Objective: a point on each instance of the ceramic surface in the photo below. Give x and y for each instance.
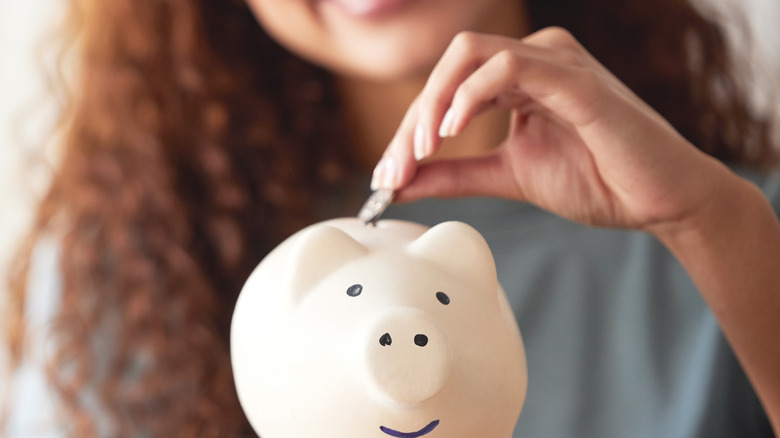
(393, 330)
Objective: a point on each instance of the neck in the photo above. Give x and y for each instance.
(374, 109)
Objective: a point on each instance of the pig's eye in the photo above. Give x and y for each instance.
(356, 289)
(443, 298)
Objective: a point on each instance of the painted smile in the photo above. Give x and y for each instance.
(425, 430)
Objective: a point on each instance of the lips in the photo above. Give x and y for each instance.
(367, 8)
(425, 430)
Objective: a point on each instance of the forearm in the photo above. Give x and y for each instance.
(732, 252)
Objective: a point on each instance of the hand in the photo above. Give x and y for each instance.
(581, 144)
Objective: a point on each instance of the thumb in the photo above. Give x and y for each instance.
(486, 175)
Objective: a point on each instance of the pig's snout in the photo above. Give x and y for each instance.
(408, 359)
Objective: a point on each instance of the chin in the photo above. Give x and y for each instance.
(384, 70)
(406, 57)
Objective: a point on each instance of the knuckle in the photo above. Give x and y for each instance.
(568, 50)
(507, 60)
(465, 95)
(559, 36)
(430, 102)
(466, 41)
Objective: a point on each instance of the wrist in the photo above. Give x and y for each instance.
(727, 203)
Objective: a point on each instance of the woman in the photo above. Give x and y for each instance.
(199, 140)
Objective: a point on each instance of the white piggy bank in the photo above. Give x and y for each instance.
(395, 330)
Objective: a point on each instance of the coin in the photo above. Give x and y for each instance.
(376, 204)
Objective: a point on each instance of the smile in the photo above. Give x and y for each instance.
(427, 429)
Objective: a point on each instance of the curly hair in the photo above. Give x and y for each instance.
(196, 143)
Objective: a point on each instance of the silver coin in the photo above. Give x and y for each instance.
(375, 205)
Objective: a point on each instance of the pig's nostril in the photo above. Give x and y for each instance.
(421, 340)
(385, 340)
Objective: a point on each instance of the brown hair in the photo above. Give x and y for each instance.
(194, 146)
(678, 61)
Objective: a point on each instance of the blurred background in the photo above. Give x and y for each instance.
(28, 112)
(30, 100)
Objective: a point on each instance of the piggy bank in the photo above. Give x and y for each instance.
(348, 330)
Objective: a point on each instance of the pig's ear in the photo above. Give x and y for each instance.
(316, 253)
(460, 251)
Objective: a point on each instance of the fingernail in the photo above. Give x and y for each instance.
(419, 140)
(385, 175)
(378, 170)
(445, 129)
